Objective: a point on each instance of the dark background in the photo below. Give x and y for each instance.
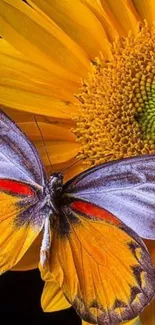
(20, 292)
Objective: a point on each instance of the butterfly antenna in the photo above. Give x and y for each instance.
(71, 165)
(78, 160)
(45, 148)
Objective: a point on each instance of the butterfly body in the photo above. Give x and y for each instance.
(91, 227)
(50, 204)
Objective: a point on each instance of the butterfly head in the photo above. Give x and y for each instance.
(55, 184)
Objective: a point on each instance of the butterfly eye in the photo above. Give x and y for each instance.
(60, 179)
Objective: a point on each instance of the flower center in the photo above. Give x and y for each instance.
(117, 102)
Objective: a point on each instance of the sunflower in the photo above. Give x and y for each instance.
(71, 64)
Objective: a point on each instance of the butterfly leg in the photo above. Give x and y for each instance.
(46, 242)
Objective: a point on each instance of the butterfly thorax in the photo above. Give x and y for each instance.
(55, 183)
(53, 191)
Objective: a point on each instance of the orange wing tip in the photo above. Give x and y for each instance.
(140, 297)
(96, 314)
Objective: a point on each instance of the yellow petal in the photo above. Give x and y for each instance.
(47, 45)
(26, 86)
(30, 260)
(58, 151)
(61, 167)
(145, 9)
(17, 71)
(49, 131)
(34, 102)
(52, 297)
(18, 116)
(48, 128)
(74, 168)
(78, 22)
(22, 117)
(106, 18)
(122, 14)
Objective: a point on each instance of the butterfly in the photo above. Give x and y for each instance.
(101, 265)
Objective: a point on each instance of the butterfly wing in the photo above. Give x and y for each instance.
(126, 188)
(19, 159)
(101, 265)
(21, 192)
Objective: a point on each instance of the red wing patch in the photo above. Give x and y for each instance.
(15, 187)
(90, 210)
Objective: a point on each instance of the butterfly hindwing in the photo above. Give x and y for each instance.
(20, 221)
(126, 188)
(101, 265)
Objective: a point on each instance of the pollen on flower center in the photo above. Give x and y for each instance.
(117, 103)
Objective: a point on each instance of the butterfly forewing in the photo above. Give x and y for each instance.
(126, 188)
(19, 159)
(22, 179)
